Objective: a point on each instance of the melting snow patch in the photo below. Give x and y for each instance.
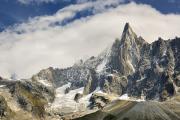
(110, 75)
(45, 82)
(105, 55)
(101, 66)
(164, 52)
(1, 86)
(141, 79)
(126, 97)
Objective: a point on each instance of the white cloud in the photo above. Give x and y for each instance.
(77, 1)
(42, 44)
(36, 1)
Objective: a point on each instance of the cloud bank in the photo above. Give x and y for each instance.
(42, 41)
(51, 1)
(35, 1)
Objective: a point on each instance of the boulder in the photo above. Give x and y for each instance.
(99, 100)
(78, 96)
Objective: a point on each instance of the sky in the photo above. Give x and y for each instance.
(18, 11)
(37, 34)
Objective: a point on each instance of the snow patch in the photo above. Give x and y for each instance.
(45, 83)
(104, 56)
(101, 66)
(126, 97)
(141, 79)
(101, 92)
(110, 75)
(164, 52)
(1, 86)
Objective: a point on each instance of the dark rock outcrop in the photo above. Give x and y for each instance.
(114, 84)
(5, 111)
(99, 100)
(31, 97)
(78, 96)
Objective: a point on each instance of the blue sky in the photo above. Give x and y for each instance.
(37, 34)
(18, 11)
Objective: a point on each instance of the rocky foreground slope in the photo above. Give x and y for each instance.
(126, 110)
(131, 67)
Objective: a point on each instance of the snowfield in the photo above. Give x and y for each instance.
(66, 101)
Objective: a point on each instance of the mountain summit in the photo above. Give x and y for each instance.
(127, 30)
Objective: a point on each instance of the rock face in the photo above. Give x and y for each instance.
(155, 71)
(77, 97)
(125, 53)
(114, 84)
(5, 111)
(32, 97)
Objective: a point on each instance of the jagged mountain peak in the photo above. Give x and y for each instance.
(130, 37)
(127, 28)
(128, 32)
(125, 53)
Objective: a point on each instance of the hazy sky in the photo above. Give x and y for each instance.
(76, 30)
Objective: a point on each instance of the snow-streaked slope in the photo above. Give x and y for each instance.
(101, 66)
(105, 58)
(65, 102)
